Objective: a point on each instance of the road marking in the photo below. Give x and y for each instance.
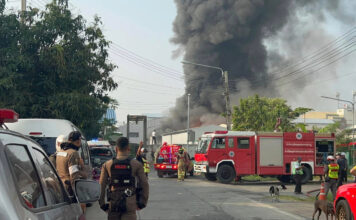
(261, 205)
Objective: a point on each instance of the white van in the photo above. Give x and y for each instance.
(46, 131)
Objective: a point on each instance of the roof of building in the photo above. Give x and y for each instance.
(313, 121)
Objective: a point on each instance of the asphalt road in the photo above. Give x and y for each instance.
(199, 199)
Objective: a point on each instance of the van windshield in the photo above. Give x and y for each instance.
(48, 144)
(203, 145)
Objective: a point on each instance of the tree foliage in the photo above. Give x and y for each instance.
(261, 114)
(342, 136)
(54, 65)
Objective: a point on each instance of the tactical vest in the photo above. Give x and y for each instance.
(146, 165)
(124, 185)
(333, 171)
(121, 174)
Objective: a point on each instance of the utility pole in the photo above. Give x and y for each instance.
(188, 121)
(227, 101)
(23, 5)
(225, 76)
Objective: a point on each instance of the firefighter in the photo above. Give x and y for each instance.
(298, 174)
(182, 161)
(127, 184)
(331, 172)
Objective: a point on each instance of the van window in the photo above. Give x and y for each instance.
(48, 144)
(218, 143)
(25, 176)
(244, 143)
(54, 190)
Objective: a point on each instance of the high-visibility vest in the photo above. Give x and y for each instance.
(294, 170)
(333, 170)
(146, 166)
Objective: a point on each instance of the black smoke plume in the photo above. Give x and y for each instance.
(228, 34)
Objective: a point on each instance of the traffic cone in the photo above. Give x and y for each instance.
(322, 195)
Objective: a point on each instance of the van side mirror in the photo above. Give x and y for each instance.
(87, 191)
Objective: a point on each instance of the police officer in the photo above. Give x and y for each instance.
(60, 140)
(298, 174)
(331, 172)
(68, 162)
(127, 184)
(342, 162)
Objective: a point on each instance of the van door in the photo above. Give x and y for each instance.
(217, 152)
(243, 155)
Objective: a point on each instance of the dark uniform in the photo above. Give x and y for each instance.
(134, 195)
(342, 162)
(68, 166)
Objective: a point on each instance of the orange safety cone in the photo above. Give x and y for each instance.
(322, 195)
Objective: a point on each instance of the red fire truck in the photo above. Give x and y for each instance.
(166, 162)
(228, 155)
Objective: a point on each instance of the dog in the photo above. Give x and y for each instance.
(274, 192)
(326, 207)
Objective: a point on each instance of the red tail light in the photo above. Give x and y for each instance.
(163, 166)
(201, 157)
(175, 167)
(35, 133)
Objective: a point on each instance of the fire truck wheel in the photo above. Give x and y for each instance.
(226, 174)
(159, 174)
(210, 176)
(307, 173)
(284, 178)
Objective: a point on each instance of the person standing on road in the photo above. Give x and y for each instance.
(298, 174)
(154, 140)
(141, 157)
(60, 140)
(342, 162)
(182, 161)
(127, 184)
(69, 165)
(331, 172)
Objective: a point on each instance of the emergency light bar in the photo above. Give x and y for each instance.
(8, 116)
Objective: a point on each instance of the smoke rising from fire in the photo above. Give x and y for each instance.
(231, 34)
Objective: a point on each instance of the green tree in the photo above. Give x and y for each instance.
(342, 136)
(54, 65)
(261, 114)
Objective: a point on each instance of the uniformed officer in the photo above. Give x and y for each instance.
(127, 184)
(60, 140)
(331, 172)
(141, 157)
(182, 161)
(68, 162)
(298, 174)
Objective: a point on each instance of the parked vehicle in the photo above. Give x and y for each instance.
(98, 156)
(228, 155)
(166, 162)
(30, 187)
(345, 203)
(46, 131)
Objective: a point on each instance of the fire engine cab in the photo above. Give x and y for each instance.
(228, 155)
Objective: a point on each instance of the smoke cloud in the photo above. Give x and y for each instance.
(232, 34)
